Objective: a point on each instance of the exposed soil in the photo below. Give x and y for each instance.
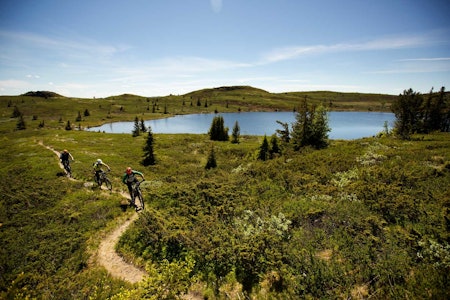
(106, 254)
(113, 263)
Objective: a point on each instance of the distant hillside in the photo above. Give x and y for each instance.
(124, 96)
(42, 94)
(257, 99)
(237, 89)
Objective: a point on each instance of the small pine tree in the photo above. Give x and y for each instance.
(284, 134)
(137, 130)
(149, 157)
(217, 131)
(211, 163)
(16, 112)
(274, 147)
(21, 123)
(78, 119)
(263, 153)
(310, 127)
(142, 125)
(301, 129)
(68, 126)
(236, 133)
(86, 113)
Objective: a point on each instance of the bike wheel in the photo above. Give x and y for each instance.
(141, 199)
(108, 184)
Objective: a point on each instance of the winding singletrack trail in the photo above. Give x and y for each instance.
(113, 263)
(106, 255)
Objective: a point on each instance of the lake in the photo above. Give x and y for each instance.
(344, 125)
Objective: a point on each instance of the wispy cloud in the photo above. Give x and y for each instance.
(12, 84)
(287, 53)
(59, 44)
(417, 65)
(426, 59)
(194, 64)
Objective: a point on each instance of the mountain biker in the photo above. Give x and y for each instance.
(129, 178)
(98, 168)
(64, 157)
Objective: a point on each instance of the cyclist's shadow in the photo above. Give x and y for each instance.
(125, 204)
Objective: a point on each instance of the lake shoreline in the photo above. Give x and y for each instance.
(344, 125)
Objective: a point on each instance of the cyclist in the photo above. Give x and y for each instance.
(98, 168)
(64, 157)
(129, 178)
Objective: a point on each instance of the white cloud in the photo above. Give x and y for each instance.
(12, 84)
(33, 76)
(426, 59)
(287, 53)
(68, 47)
(417, 65)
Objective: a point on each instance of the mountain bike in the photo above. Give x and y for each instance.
(103, 178)
(138, 194)
(67, 167)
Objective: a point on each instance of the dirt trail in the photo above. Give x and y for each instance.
(116, 266)
(106, 254)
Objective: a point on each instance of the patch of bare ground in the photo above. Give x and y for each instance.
(112, 262)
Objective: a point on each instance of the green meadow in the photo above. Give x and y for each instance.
(366, 218)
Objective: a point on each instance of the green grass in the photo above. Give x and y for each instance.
(55, 112)
(366, 218)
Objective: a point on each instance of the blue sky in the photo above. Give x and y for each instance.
(100, 48)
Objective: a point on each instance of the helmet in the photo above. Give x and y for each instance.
(128, 171)
(99, 161)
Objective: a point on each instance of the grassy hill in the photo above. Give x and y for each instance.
(55, 110)
(367, 218)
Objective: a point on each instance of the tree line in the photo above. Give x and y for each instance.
(416, 113)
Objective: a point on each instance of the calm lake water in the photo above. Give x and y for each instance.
(344, 125)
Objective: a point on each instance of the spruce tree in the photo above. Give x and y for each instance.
(236, 133)
(274, 147)
(149, 157)
(263, 153)
(16, 112)
(320, 128)
(143, 128)
(310, 127)
(217, 131)
(137, 130)
(284, 134)
(301, 129)
(21, 123)
(68, 126)
(211, 163)
(78, 119)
